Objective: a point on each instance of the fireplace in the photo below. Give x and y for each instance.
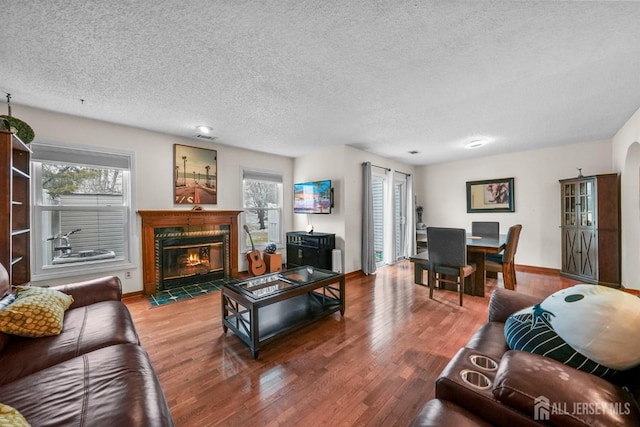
(181, 247)
(190, 257)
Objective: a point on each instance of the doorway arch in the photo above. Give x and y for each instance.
(630, 238)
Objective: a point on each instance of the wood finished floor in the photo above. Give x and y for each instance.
(374, 366)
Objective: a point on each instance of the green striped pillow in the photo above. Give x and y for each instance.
(530, 330)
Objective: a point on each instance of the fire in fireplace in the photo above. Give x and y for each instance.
(191, 257)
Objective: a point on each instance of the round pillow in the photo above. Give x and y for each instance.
(588, 327)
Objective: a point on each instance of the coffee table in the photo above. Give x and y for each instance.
(261, 309)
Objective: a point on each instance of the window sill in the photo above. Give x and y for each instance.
(59, 272)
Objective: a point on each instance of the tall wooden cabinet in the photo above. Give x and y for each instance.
(590, 227)
(15, 221)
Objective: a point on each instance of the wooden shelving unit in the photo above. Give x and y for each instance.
(15, 222)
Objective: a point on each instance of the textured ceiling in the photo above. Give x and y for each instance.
(290, 77)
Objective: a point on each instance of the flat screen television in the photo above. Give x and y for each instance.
(313, 197)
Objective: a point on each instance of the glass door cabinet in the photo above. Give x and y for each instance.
(590, 227)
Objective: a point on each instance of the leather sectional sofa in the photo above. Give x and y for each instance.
(94, 373)
(521, 388)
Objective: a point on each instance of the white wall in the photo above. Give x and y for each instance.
(626, 158)
(342, 164)
(441, 190)
(154, 169)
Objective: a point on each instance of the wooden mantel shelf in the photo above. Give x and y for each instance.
(152, 219)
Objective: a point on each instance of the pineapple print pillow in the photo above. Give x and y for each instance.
(36, 312)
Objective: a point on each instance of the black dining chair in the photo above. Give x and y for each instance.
(447, 251)
(485, 228)
(504, 262)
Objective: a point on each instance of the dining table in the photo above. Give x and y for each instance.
(477, 249)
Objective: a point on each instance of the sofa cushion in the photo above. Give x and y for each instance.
(36, 312)
(112, 386)
(4, 339)
(85, 329)
(438, 412)
(10, 417)
(5, 284)
(556, 394)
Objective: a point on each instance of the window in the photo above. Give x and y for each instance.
(378, 184)
(262, 203)
(82, 210)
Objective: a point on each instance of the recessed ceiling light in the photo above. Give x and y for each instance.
(475, 144)
(204, 129)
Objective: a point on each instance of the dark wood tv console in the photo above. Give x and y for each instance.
(310, 249)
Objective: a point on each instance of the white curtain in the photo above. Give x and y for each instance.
(368, 252)
(390, 255)
(410, 224)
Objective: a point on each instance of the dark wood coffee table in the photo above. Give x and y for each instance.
(264, 308)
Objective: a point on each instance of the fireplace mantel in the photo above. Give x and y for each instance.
(152, 219)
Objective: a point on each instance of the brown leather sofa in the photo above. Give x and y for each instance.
(94, 373)
(522, 388)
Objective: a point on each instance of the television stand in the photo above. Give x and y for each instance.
(310, 249)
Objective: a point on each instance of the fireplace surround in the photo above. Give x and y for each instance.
(180, 246)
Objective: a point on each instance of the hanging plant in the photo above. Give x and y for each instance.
(21, 129)
(4, 124)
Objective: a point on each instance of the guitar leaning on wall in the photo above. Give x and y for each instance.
(257, 266)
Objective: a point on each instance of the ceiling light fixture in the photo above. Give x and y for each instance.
(204, 129)
(475, 144)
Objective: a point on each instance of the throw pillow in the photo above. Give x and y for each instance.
(7, 300)
(36, 312)
(588, 327)
(10, 417)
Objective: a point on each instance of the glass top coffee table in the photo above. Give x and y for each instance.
(263, 308)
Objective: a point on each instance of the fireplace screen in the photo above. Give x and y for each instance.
(183, 260)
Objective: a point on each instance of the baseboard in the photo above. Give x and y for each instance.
(354, 274)
(132, 294)
(537, 270)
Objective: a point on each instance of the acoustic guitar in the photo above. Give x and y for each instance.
(257, 266)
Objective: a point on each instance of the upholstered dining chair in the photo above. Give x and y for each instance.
(505, 262)
(485, 228)
(448, 258)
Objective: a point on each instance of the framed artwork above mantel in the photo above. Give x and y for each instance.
(195, 175)
(490, 195)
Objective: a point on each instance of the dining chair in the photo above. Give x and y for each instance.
(485, 228)
(447, 251)
(505, 262)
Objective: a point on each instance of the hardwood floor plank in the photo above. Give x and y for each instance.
(377, 365)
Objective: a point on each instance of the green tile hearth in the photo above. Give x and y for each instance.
(184, 292)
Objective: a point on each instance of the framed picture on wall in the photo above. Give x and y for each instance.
(491, 195)
(195, 175)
